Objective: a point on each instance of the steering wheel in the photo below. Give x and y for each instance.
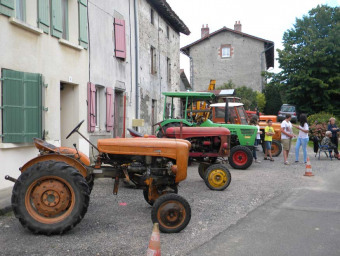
(75, 129)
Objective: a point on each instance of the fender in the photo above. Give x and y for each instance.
(56, 157)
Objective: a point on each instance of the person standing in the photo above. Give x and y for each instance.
(254, 121)
(334, 130)
(302, 138)
(268, 138)
(286, 137)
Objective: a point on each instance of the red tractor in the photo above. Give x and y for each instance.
(207, 144)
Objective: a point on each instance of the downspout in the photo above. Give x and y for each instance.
(136, 59)
(191, 73)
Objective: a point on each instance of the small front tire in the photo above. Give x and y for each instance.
(240, 157)
(217, 177)
(172, 212)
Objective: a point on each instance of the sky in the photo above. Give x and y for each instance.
(267, 19)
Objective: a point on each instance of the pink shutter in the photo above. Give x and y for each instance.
(120, 50)
(91, 107)
(109, 109)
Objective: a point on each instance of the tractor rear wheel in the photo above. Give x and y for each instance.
(240, 157)
(172, 212)
(50, 198)
(217, 177)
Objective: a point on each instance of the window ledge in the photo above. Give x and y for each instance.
(15, 145)
(71, 45)
(25, 26)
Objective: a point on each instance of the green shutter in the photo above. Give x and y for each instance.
(7, 7)
(44, 15)
(83, 39)
(22, 109)
(57, 23)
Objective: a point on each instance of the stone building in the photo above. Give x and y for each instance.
(158, 66)
(229, 54)
(44, 73)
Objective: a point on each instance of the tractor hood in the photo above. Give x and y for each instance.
(190, 132)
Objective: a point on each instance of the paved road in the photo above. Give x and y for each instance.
(246, 211)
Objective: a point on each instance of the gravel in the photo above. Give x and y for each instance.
(121, 225)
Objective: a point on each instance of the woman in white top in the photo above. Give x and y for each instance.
(302, 139)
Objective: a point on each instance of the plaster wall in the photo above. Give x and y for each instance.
(22, 50)
(152, 85)
(243, 67)
(106, 70)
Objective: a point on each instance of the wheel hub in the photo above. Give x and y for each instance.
(217, 178)
(240, 157)
(171, 214)
(50, 197)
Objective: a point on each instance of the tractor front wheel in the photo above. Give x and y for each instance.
(151, 201)
(217, 177)
(172, 212)
(202, 167)
(50, 198)
(240, 157)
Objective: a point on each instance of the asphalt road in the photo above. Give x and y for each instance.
(221, 221)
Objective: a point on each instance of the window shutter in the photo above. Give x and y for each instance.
(120, 46)
(83, 39)
(22, 109)
(7, 7)
(109, 109)
(57, 24)
(91, 106)
(44, 15)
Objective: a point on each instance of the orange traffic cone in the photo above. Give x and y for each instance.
(154, 248)
(308, 168)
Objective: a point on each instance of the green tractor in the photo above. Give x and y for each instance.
(194, 111)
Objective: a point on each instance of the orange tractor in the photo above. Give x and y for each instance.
(52, 193)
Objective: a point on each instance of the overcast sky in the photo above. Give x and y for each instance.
(267, 19)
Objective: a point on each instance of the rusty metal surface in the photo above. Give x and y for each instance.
(49, 199)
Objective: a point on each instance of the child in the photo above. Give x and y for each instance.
(254, 121)
(268, 137)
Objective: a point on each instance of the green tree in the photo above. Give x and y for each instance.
(273, 98)
(247, 95)
(310, 61)
(261, 101)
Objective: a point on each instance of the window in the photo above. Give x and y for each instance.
(152, 17)
(20, 13)
(153, 60)
(168, 70)
(21, 106)
(226, 52)
(167, 32)
(120, 45)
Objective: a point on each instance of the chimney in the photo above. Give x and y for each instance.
(204, 31)
(238, 26)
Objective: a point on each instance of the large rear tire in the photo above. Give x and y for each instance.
(172, 212)
(217, 177)
(50, 198)
(240, 157)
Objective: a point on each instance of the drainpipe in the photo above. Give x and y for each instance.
(136, 58)
(191, 73)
